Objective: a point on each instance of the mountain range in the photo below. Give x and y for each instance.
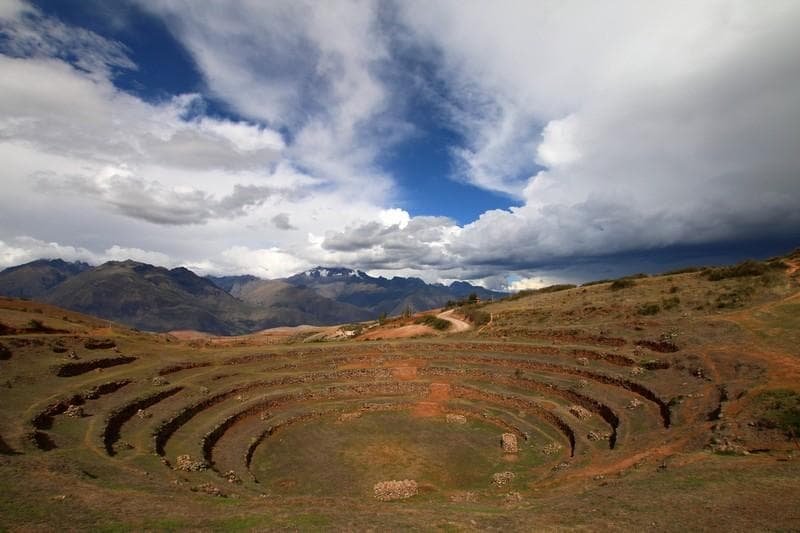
(155, 298)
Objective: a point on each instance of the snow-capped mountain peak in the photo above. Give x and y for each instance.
(333, 272)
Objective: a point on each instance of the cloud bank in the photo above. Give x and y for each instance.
(619, 128)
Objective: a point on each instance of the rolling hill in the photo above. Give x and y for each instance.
(35, 279)
(159, 299)
(656, 403)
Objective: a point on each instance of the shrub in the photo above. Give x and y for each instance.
(475, 315)
(36, 325)
(777, 264)
(648, 309)
(622, 283)
(743, 269)
(673, 289)
(433, 321)
(619, 283)
(670, 303)
(781, 410)
(734, 297)
(472, 299)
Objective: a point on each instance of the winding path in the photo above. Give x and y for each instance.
(457, 325)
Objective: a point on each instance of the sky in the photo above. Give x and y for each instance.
(511, 144)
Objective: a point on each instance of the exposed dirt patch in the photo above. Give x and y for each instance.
(189, 334)
(439, 392)
(401, 332)
(405, 373)
(428, 409)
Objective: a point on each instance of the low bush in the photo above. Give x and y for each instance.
(743, 269)
(475, 315)
(472, 299)
(619, 283)
(433, 321)
(781, 410)
(670, 303)
(36, 325)
(777, 264)
(734, 297)
(622, 283)
(648, 309)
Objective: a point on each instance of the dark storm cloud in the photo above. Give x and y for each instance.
(152, 202)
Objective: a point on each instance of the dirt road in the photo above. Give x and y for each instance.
(458, 325)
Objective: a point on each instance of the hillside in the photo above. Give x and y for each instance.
(159, 299)
(666, 403)
(36, 279)
(382, 295)
(153, 299)
(228, 283)
(295, 305)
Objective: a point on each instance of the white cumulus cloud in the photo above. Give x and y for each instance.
(618, 127)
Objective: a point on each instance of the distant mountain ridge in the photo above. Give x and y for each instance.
(35, 279)
(159, 299)
(227, 283)
(382, 295)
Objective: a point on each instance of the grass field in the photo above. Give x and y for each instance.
(664, 403)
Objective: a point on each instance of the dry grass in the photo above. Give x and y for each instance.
(317, 424)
